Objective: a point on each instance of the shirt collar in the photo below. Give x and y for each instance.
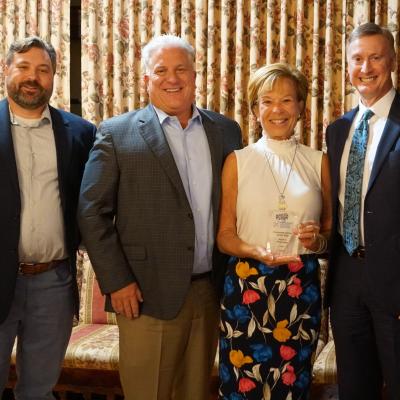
(381, 108)
(164, 117)
(31, 123)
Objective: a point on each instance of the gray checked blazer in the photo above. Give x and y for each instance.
(135, 218)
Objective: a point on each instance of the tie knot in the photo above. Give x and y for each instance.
(367, 115)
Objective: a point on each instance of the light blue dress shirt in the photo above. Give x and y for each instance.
(191, 152)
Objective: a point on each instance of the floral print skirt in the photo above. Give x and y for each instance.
(270, 319)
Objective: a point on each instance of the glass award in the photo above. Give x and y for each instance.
(281, 232)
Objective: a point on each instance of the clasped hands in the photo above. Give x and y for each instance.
(126, 301)
(308, 234)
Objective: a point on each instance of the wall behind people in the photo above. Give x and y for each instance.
(232, 38)
(51, 21)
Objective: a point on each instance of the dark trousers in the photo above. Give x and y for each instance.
(366, 334)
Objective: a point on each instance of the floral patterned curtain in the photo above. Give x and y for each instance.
(49, 19)
(231, 38)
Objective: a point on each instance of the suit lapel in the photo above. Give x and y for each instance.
(153, 134)
(341, 134)
(6, 145)
(63, 141)
(390, 134)
(215, 144)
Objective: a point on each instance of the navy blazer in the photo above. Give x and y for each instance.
(74, 138)
(381, 207)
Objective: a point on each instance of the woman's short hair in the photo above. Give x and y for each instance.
(24, 45)
(159, 42)
(264, 78)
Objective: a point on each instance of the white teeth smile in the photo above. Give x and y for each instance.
(172, 90)
(369, 79)
(278, 121)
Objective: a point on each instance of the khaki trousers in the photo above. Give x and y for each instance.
(171, 359)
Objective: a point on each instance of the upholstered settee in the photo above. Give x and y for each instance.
(91, 361)
(324, 370)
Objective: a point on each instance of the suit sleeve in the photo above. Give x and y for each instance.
(328, 140)
(238, 137)
(96, 212)
(234, 139)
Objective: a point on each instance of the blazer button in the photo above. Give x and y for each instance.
(190, 215)
(190, 248)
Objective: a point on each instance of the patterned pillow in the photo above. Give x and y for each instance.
(91, 309)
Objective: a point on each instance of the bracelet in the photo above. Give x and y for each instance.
(323, 244)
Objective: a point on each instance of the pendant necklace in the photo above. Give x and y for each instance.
(281, 198)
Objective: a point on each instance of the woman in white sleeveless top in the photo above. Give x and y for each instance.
(275, 217)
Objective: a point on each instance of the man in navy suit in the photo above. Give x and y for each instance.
(364, 279)
(42, 156)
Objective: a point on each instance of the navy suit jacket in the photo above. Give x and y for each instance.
(74, 138)
(381, 207)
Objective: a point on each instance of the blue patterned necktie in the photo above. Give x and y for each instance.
(354, 178)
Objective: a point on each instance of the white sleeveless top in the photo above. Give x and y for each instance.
(258, 194)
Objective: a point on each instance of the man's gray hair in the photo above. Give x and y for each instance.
(371, 29)
(24, 45)
(159, 42)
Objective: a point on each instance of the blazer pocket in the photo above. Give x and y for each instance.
(135, 252)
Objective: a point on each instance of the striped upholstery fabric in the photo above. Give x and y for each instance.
(93, 346)
(91, 310)
(94, 341)
(324, 370)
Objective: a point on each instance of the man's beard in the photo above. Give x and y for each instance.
(30, 102)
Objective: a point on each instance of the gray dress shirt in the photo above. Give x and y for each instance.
(42, 236)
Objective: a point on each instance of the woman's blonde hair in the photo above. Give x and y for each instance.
(264, 78)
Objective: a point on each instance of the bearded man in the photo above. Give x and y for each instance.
(43, 152)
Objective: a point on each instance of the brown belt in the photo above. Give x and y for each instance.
(37, 268)
(359, 252)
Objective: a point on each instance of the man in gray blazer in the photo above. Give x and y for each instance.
(148, 213)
